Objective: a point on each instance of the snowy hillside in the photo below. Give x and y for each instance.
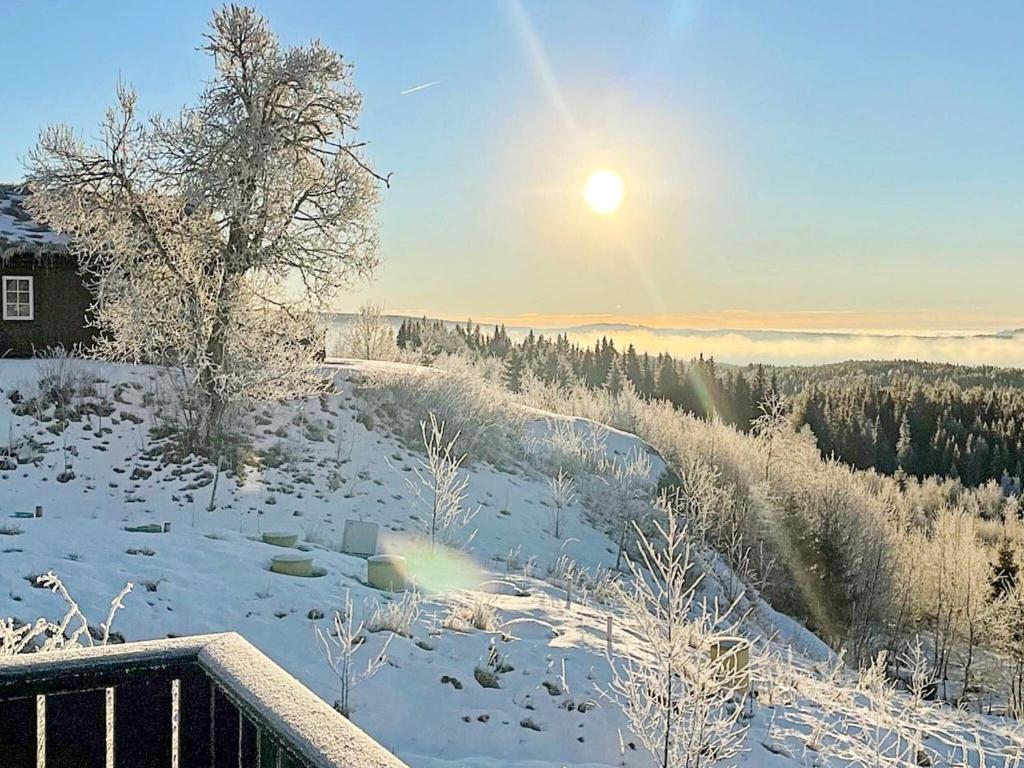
(312, 466)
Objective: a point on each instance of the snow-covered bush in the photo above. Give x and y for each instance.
(572, 449)
(615, 409)
(866, 722)
(565, 571)
(624, 498)
(490, 425)
(601, 586)
(471, 611)
(677, 695)
(71, 631)
(398, 616)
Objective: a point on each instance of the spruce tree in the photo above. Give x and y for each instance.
(512, 371)
(615, 379)
(905, 448)
(1004, 574)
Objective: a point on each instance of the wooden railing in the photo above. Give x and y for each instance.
(210, 701)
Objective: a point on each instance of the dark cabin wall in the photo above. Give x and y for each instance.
(61, 302)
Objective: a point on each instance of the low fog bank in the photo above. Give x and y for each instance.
(811, 348)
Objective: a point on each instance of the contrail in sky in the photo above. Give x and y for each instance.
(419, 87)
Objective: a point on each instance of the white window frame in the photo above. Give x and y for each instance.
(31, 297)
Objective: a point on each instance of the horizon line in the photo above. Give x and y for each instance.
(808, 321)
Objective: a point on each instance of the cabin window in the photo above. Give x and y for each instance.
(17, 298)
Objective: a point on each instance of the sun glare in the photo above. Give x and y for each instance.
(604, 191)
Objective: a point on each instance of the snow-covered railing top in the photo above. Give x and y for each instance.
(194, 701)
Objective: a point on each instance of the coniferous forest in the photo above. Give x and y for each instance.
(918, 418)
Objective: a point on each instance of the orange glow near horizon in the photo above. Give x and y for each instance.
(922, 320)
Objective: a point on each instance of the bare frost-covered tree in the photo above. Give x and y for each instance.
(440, 475)
(628, 490)
(209, 235)
(677, 697)
(563, 493)
(369, 337)
(770, 427)
(338, 647)
(1008, 628)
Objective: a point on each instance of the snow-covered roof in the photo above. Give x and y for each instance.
(20, 234)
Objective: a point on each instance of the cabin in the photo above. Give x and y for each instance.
(43, 298)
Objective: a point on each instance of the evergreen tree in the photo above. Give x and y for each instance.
(615, 379)
(512, 371)
(905, 448)
(631, 363)
(667, 385)
(1004, 574)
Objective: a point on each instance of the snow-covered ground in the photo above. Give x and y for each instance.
(315, 465)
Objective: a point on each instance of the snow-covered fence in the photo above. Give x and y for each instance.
(195, 701)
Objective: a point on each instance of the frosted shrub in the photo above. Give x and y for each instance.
(920, 679)
(567, 574)
(572, 449)
(398, 616)
(629, 489)
(474, 611)
(479, 409)
(604, 586)
(565, 571)
(59, 375)
(72, 631)
(866, 722)
(677, 698)
(619, 410)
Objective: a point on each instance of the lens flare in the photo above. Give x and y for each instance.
(442, 569)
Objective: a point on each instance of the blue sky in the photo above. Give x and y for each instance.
(803, 163)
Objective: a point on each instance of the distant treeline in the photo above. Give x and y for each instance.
(699, 386)
(919, 418)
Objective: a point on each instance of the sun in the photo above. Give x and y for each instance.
(603, 191)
